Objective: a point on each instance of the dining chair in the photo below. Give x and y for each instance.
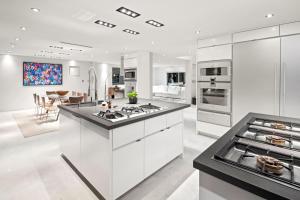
(47, 107)
(79, 94)
(35, 103)
(75, 100)
(73, 93)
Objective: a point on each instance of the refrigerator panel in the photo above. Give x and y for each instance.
(290, 81)
(256, 78)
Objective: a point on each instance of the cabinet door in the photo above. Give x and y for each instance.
(256, 67)
(128, 167)
(290, 95)
(155, 152)
(96, 156)
(70, 137)
(214, 53)
(174, 142)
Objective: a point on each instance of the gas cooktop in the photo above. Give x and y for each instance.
(127, 112)
(260, 153)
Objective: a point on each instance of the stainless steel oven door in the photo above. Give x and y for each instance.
(214, 96)
(214, 71)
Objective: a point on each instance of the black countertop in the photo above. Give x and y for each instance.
(260, 185)
(86, 111)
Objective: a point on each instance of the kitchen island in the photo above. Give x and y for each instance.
(259, 158)
(114, 151)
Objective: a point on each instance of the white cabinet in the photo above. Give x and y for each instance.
(222, 52)
(256, 78)
(174, 118)
(290, 79)
(128, 167)
(96, 156)
(127, 134)
(162, 147)
(219, 40)
(155, 124)
(290, 29)
(70, 137)
(256, 34)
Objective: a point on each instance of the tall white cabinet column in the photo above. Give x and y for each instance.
(256, 78)
(290, 79)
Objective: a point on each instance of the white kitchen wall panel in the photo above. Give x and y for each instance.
(290, 81)
(256, 34)
(219, 40)
(256, 78)
(290, 29)
(221, 52)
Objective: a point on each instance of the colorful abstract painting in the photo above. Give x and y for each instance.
(42, 74)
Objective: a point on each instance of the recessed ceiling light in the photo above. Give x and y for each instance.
(109, 25)
(35, 10)
(12, 45)
(76, 50)
(23, 28)
(152, 42)
(154, 23)
(270, 15)
(198, 32)
(56, 47)
(9, 51)
(131, 32)
(128, 12)
(17, 39)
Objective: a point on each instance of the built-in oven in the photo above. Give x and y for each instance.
(214, 102)
(214, 96)
(214, 71)
(129, 74)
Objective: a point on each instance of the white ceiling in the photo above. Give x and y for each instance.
(60, 21)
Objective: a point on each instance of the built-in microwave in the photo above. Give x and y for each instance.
(129, 74)
(215, 71)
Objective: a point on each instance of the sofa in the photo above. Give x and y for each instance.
(169, 92)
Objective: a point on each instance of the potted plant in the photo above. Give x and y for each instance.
(132, 97)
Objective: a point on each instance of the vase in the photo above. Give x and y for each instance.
(132, 100)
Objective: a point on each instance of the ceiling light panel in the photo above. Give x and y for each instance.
(154, 23)
(128, 12)
(270, 15)
(131, 32)
(103, 23)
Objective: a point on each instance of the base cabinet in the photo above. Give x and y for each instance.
(162, 147)
(128, 167)
(70, 139)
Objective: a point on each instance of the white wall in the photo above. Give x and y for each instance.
(160, 73)
(15, 96)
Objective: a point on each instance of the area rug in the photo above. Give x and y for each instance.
(30, 125)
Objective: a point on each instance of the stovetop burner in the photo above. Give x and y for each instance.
(269, 164)
(285, 168)
(127, 112)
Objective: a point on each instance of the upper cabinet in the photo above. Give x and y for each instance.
(130, 63)
(222, 52)
(257, 34)
(220, 40)
(290, 29)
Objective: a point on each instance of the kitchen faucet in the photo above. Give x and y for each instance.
(92, 69)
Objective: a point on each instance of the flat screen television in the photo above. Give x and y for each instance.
(42, 74)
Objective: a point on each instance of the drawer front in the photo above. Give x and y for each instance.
(127, 134)
(174, 118)
(214, 118)
(155, 124)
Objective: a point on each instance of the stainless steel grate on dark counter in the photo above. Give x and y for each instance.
(260, 153)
